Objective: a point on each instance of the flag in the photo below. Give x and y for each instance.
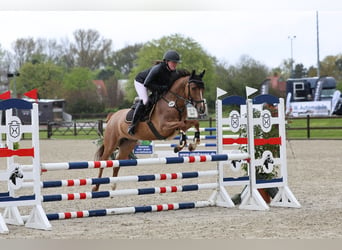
(33, 94)
(6, 95)
(250, 91)
(220, 92)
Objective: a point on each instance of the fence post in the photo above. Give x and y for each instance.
(211, 124)
(49, 130)
(308, 126)
(75, 128)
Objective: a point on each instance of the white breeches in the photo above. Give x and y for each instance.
(141, 91)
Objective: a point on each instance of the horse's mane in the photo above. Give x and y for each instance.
(179, 74)
(183, 72)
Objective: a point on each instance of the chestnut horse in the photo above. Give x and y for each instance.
(167, 119)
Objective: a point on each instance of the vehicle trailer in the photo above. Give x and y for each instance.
(314, 96)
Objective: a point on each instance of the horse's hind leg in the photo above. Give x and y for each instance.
(126, 147)
(104, 156)
(97, 186)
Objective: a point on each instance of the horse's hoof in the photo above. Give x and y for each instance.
(176, 150)
(95, 189)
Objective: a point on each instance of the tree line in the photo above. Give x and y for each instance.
(66, 69)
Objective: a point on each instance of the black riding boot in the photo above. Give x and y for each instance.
(137, 115)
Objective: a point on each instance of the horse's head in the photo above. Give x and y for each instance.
(195, 91)
(189, 88)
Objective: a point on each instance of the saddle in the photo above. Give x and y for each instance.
(149, 107)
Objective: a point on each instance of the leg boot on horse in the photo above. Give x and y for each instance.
(137, 115)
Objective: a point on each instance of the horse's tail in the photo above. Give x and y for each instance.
(99, 152)
(100, 149)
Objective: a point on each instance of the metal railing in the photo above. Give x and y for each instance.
(74, 128)
(309, 128)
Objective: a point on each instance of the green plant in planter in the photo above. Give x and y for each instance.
(258, 152)
(260, 149)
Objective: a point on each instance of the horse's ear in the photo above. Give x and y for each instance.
(193, 73)
(202, 74)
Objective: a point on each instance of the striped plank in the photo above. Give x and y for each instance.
(128, 210)
(124, 192)
(135, 178)
(140, 162)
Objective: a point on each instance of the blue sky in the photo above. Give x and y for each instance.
(225, 29)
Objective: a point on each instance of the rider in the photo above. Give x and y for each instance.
(157, 79)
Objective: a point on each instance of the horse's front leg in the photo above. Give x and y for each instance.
(182, 142)
(197, 136)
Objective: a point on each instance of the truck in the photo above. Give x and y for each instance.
(313, 96)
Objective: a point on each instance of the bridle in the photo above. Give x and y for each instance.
(200, 85)
(188, 99)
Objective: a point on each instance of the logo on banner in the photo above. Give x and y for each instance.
(14, 129)
(266, 120)
(234, 121)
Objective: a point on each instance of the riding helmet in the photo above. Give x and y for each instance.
(171, 55)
